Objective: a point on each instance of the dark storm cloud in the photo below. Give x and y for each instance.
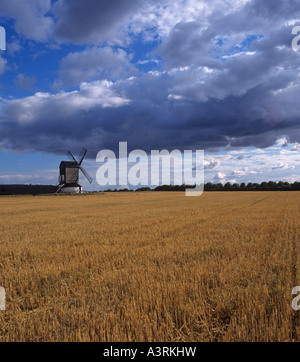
(144, 122)
(91, 21)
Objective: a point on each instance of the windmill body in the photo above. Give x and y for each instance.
(69, 174)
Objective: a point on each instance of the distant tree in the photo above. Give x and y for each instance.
(235, 187)
(209, 187)
(272, 185)
(220, 187)
(243, 186)
(280, 185)
(227, 186)
(264, 186)
(286, 186)
(295, 186)
(143, 189)
(250, 186)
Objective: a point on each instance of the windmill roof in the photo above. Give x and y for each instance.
(69, 163)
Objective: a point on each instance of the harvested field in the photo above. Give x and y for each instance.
(150, 266)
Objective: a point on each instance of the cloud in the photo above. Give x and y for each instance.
(3, 63)
(156, 19)
(94, 63)
(296, 147)
(31, 19)
(150, 119)
(34, 177)
(220, 177)
(13, 47)
(55, 122)
(38, 108)
(91, 21)
(282, 165)
(227, 77)
(209, 165)
(239, 173)
(24, 82)
(257, 168)
(95, 22)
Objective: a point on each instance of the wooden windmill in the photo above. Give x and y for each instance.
(69, 174)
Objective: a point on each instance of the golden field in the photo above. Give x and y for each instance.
(150, 267)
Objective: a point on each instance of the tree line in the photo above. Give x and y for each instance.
(264, 186)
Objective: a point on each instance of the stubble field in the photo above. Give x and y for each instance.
(150, 267)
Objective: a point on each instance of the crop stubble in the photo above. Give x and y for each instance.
(150, 266)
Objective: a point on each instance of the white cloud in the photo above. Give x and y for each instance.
(208, 165)
(39, 106)
(296, 147)
(220, 177)
(239, 173)
(282, 165)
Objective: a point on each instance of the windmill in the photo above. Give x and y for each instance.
(69, 174)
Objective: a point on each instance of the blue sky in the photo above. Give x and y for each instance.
(214, 75)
